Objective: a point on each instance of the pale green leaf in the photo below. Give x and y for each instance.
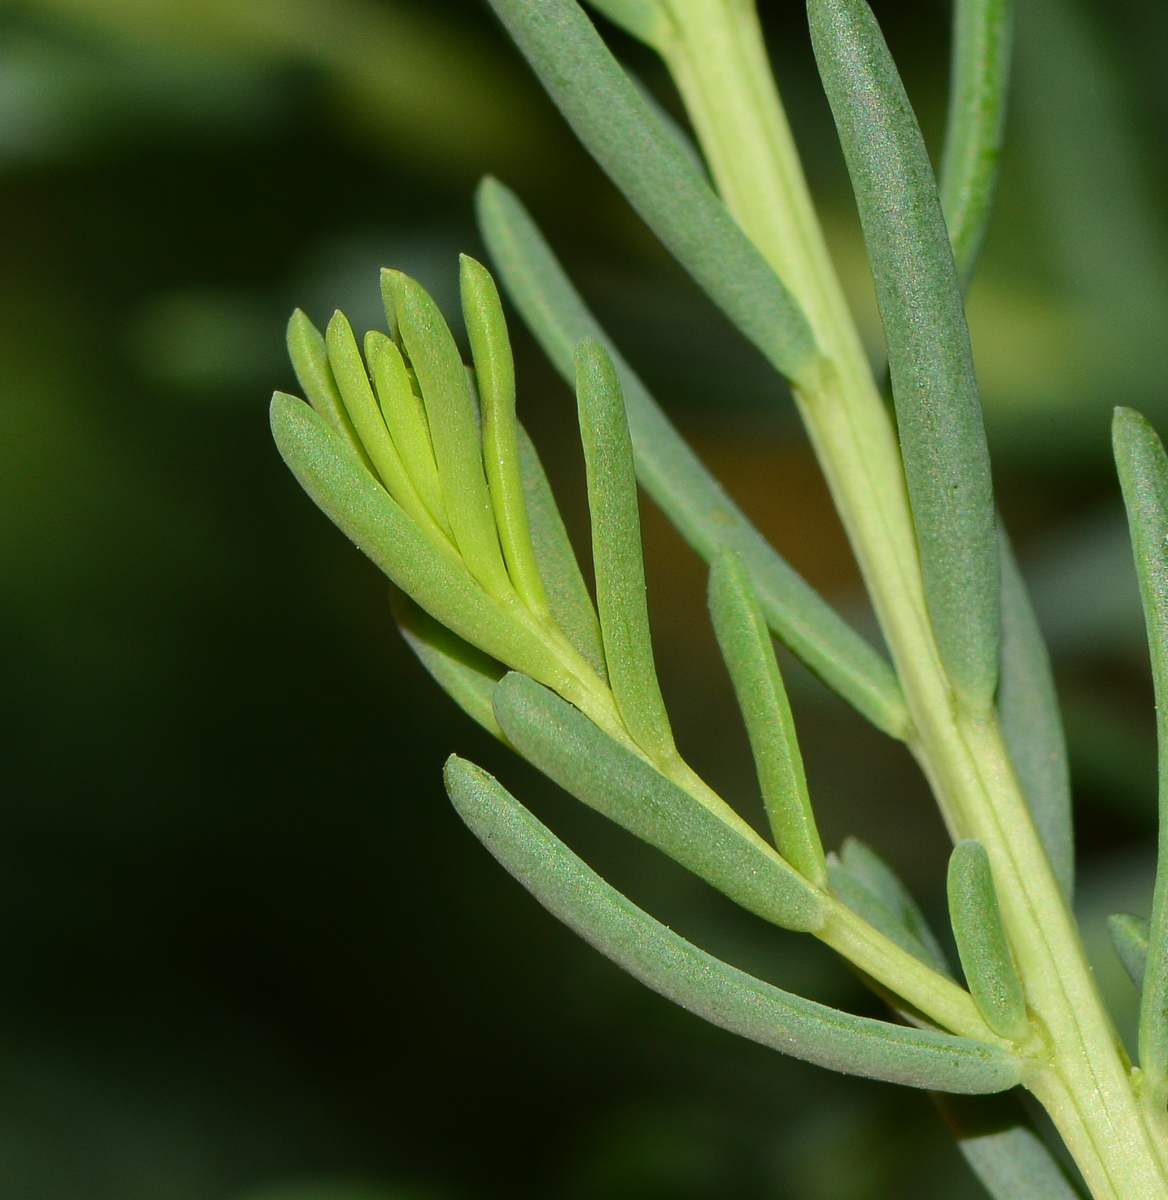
(645, 20)
(616, 551)
(405, 417)
(671, 473)
(700, 983)
(671, 195)
(872, 890)
(749, 653)
(1143, 476)
(719, 847)
(979, 76)
(1031, 725)
(454, 432)
(363, 510)
(309, 357)
(981, 941)
(938, 410)
(495, 380)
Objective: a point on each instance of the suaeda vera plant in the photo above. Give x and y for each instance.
(422, 463)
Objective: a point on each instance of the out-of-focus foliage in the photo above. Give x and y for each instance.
(238, 962)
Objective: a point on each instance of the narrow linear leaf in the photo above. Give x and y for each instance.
(306, 349)
(365, 512)
(353, 382)
(454, 432)
(981, 941)
(938, 410)
(979, 79)
(997, 1140)
(1031, 725)
(719, 847)
(675, 478)
(495, 379)
(1143, 476)
(568, 597)
(464, 673)
(1129, 936)
(667, 190)
(571, 891)
(872, 890)
(616, 552)
(405, 417)
(749, 653)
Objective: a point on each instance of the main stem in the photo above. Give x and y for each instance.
(716, 54)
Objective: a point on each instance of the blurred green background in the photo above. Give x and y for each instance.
(246, 948)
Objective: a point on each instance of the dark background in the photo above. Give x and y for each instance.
(246, 947)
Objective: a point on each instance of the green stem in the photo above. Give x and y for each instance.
(715, 51)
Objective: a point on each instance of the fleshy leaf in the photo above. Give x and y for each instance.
(938, 410)
(999, 1143)
(642, 19)
(872, 890)
(454, 431)
(1031, 725)
(495, 378)
(363, 510)
(1143, 476)
(981, 941)
(671, 473)
(464, 673)
(1129, 936)
(717, 845)
(616, 552)
(306, 349)
(979, 77)
(645, 162)
(700, 983)
(750, 658)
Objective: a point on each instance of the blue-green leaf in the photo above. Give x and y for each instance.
(746, 646)
(1008, 1157)
(1129, 936)
(1031, 725)
(644, 160)
(718, 846)
(672, 474)
(981, 941)
(703, 985)
(1143, 476)
(979, 77)
(873, 891)
(616, 552)
(464, 673)
(938, 410)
